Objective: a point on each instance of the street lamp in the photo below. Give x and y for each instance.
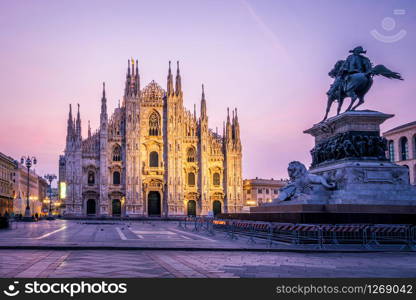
(28, 161)
(50, 178)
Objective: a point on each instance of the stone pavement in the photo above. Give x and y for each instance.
(143, 235)
(119, 234)
(201, 264)
(63, 248)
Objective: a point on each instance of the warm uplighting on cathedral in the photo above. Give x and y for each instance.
(152, 156)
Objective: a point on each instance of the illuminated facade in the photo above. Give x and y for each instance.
(7, 170)
(402, 147)
(258, 191)
(152, 157)
(38, 188)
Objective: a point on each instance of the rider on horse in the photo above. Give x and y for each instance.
(355, 63)
(353, 79)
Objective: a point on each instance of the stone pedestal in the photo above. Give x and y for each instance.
(350, 154)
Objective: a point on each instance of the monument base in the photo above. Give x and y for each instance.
(331, 214)
(367, 183)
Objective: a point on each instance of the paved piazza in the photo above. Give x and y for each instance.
(169, 264)
(76, 249)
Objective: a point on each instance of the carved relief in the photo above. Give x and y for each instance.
(350, 145)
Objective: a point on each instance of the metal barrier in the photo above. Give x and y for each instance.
(320, 235)
(344, 234)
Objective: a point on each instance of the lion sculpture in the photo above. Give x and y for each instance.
(301, 181)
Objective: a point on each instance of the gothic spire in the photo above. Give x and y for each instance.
(103, 114)
(203, 104)
(70, 116)
(170, 81)
(128, 79)
(137, 79)
(70, 126)
(178, 80)
(194, 111)
(228, 133)
(223, 130)
(78, 127)
(89, 129)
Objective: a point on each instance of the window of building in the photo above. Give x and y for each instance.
(191, 179)
(117, 153)
(216, 179)
(154, 159)
(116, 178)
(91, 178)
(260, 191)
(414, 146)
(190, 154)
(391, 151)
(404, 148)
(154, 124)
(267, 191)
(248, 192)
(276, 191)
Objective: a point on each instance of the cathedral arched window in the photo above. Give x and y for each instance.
(154, 124)
(216, 179)
(154, 159)
(190, 154)
(404, 148)
(191, 179)
(91, 178)
(116, 178)
(117, 153)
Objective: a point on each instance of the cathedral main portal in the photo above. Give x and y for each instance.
(153, 204)
(116, 208)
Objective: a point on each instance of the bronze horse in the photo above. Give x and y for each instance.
(354, 86)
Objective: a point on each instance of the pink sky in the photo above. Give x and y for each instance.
(268, 59)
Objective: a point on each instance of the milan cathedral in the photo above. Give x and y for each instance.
(152, 157)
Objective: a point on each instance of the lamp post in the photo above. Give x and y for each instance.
(50, 178)
(28, 161)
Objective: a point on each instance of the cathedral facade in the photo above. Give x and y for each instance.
(151, 157)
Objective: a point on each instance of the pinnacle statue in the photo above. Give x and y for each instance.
(353, 79)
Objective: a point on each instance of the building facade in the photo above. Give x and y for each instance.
(7, 171)
(402, 147)
(38, 188)
(151, 157)
(258, 191)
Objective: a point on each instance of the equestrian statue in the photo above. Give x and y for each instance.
(353, 78)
